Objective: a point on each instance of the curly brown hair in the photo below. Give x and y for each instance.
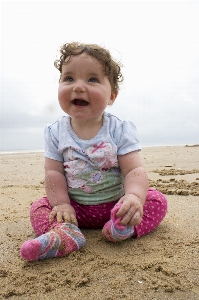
(111, 68)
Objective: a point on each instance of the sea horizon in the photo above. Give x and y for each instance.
(16, 152)
(31, 139)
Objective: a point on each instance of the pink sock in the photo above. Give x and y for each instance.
(115, 232)
(60, 241)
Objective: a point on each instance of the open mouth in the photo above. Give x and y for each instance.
(80, 102)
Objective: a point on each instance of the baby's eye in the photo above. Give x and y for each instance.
(93, 79)
(69, 79)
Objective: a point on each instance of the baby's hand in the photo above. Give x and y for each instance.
(131, 210)
(63, 213)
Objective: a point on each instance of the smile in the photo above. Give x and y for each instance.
(80, 102)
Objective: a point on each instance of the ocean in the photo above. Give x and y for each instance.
(32, 139)
(22, 139)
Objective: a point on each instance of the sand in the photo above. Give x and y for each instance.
(161, 265)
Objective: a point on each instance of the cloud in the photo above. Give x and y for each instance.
(157, 41)
(20, 107)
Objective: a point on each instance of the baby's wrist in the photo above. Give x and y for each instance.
(61, 204)
(136, 196)
(132, 195)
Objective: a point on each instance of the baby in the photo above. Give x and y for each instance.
(94, 176)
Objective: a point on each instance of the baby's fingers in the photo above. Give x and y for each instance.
(135, 220)
(124, 208)
(52, 216)
(127, 217)
(70, 218)
(131, 219)
(60, 217)
(63, 217)
(67, 217)
(74, 220)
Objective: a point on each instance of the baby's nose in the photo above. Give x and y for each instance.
(79, 87)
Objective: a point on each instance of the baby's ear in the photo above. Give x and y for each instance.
(113, 97)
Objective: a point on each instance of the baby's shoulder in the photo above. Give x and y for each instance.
(115, 123)
(58, 125)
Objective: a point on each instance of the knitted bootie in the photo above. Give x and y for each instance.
(60, 241)
(115, 232)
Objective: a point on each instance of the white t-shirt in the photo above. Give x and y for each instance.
(91, 166)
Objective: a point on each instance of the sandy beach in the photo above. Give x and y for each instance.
(161, 265)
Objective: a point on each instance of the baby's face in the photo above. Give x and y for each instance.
(84, 90)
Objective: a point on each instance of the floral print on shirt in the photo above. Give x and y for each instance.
(102, 156)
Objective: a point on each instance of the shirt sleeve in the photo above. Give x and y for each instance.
(52, 144)
(127, 138)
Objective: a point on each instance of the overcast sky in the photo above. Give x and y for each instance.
(157, 42)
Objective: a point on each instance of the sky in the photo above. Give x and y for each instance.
(156, 41)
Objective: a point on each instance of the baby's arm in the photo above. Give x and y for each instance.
(57, 193)
(135, 186)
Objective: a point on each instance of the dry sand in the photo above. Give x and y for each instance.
(161, 265)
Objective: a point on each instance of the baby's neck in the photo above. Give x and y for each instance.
(86, 129)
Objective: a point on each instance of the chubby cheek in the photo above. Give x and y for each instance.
(100, 98)
(62, 98)
(62, 93)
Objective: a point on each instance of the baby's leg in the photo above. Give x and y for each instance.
(155, 209)
(56, 239)
(39, 216)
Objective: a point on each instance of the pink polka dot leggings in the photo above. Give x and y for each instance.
(95, 216)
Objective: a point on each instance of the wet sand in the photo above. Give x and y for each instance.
(161, 265)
